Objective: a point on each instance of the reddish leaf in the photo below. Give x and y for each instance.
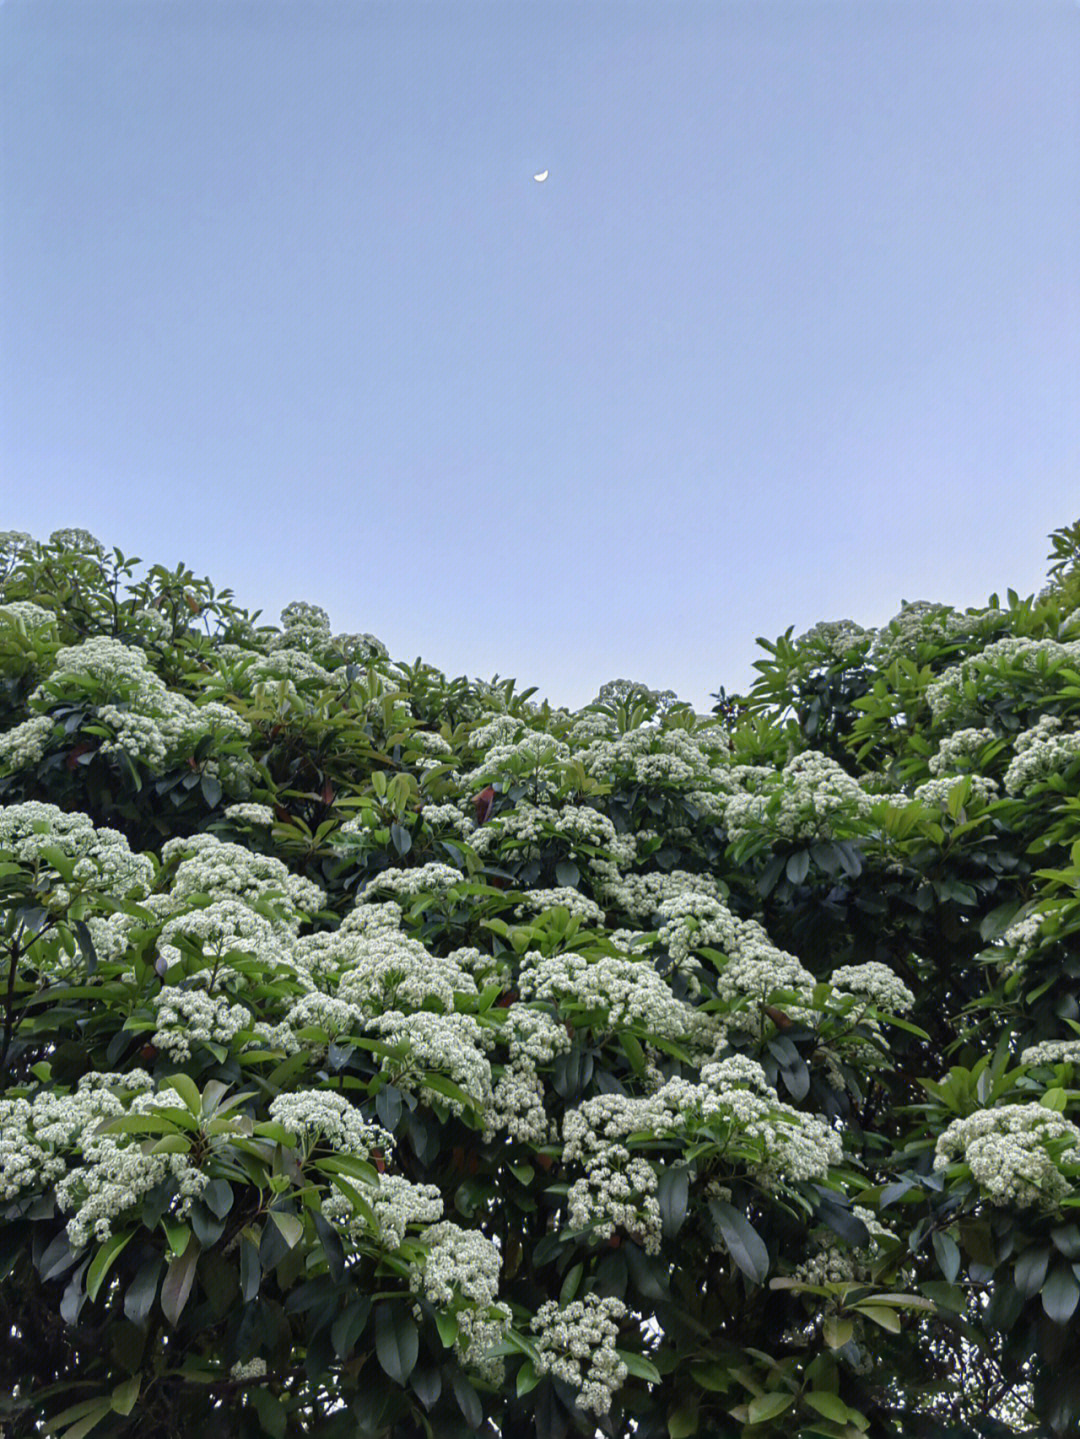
(483, 802)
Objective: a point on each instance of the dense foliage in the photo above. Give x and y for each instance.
(387, 1054)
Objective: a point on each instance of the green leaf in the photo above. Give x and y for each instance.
(80, 1418)
(447, 1326)
(102, 1262)
(1030, 1270)
(639, 1366)
(177, 1283)
(768, 1406)
(879, 1314)
(218, 1197)
(268, 1406)
(188, 1091)
(837, 1331)
(250, 1270)
(682, 1422)
(467, 1398)
(798, 866)
(673, 1196)
(397, 1341)
(125, 1395)
(744, 1243)
(831, 1406)
(527, 1378)
(141, 1292)
(289, 1227)
(1060, 1294)
(948, 1255)
(567, 874)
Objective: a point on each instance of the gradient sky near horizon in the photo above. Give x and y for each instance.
(790, 333)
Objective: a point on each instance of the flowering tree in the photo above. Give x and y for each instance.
(386, 1054)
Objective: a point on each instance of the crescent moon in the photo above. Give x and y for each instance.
(542, 176)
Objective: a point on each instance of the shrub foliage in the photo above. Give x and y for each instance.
(389, 1054)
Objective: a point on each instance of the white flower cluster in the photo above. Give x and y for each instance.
(828, 642)
(802, 801)
(26, 744)
(34, 1133)
(754, 971)
(288, 666)
(499, 729)
(260, 814)
(584, 1333)
(319, 1116)
(184, 1015)
(253, 1369)
(389, 971)
(461, 1274)
(1052, 1051)
(654, 757)
(961, 745)
(224, 871)
(302, 623)
(949, 698)
(787, 1142)
(1006, 1151)
(26, 614)
(641, 895)
(149, 722)
(617, 1192)
(116, 1172)
(534, 1038)
(875, 982)
(533, 823)
(1040, 752)
(325, 1012)
(539, 901)
(103, 863)
(935, 792)
(410, 882)
(223, 927)
(446, 1044)
(357, 648)
(533, 756)
(75, 539)
(633, 692)
(922, 621)
(448, 816)
(1023, 935)
(832, 1265)
(396, 1204)
(617, 990)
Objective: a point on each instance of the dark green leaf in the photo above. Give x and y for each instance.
(673, 1196)
(397, 1341)
(948, 1255)
(218, 1197)
(1030, 1269)
(332, 1246)
(250, 1270)
(468, 1399)
(268, 1406)
(798, 866)
(141, 1292)
(1060, 1294)
(426, 1384)
(743, 1242)
(176, 1286)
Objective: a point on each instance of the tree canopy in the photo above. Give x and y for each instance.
(389, 1054)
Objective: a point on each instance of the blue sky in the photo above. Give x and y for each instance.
(791, 332)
